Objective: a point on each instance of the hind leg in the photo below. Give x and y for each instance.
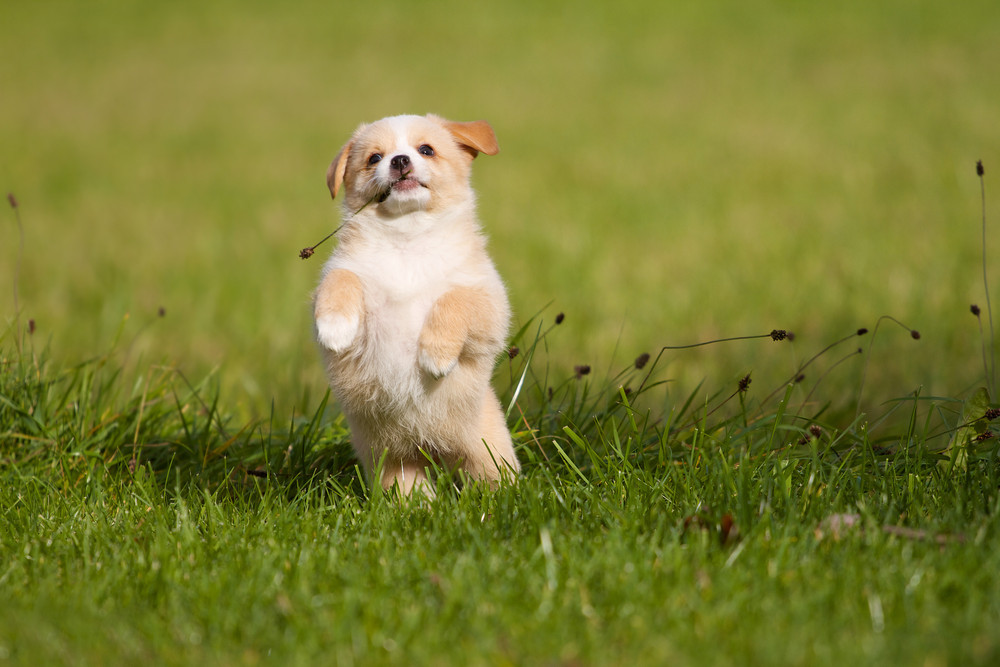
(491, 457)
(408, 476)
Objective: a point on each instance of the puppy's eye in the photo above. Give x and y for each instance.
(426, 151)
(374, 159)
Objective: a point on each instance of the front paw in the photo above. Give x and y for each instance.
(336, 332)
(438, 360)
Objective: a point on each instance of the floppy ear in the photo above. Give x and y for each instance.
(335, 174)
(476, 137)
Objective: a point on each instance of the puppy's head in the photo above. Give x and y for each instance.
(402, 164)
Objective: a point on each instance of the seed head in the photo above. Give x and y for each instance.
(581, 370)
(974, 309)
(862, 331)
(744, 383)
(979, 168)
(306, 253)
(992, 413)
(641, 360)
(778, 334)
(161, 311)
(560, 317)
(985, 435)
(914, 334)
(12, 199)
(815, 431)
(31, 326)
(513, 351)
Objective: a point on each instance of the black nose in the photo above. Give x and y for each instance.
(399, 162)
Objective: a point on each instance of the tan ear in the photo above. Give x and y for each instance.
(338, 168)
(476, 136)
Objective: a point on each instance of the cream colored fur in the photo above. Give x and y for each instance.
(410, 312)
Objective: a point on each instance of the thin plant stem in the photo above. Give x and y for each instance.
(991, 379)
(914, 334)
(17, 269)
(775, 335)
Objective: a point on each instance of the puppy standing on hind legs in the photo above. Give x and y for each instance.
(410, 312)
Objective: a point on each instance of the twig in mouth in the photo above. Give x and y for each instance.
(379, 197)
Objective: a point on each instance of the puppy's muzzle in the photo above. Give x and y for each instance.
(399, 166)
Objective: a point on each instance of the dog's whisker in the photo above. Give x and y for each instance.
(379, 197)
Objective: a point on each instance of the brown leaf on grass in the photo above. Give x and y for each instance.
(726, 528)
(836, 526)
(923, 535)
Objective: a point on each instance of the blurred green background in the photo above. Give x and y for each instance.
(669, 172)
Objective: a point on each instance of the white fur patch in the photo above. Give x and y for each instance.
(337, 332)
(428, 363)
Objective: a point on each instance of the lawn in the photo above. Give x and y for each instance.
(139, 525)
(176, 488)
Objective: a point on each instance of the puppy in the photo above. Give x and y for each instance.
(410, 312)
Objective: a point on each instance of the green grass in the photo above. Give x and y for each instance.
(175, 487)
(711, 541)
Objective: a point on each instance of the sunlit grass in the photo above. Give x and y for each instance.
(143, 522)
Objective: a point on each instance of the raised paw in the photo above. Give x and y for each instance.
(438, 358)
(336, 332)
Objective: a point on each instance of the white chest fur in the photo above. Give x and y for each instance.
(405, 265)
